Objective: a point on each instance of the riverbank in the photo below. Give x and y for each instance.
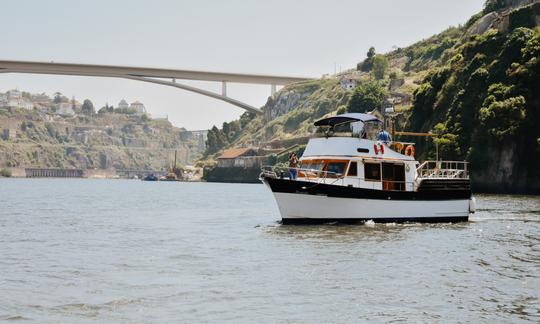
(194, 174)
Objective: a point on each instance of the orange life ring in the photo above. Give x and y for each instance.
(409, 150)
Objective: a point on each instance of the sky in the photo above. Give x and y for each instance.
(282, 37)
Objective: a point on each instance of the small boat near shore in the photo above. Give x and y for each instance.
(150, 177)
(349, 174)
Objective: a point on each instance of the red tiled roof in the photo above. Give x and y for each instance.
(234, 153)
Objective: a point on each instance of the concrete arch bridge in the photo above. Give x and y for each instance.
(166, 77)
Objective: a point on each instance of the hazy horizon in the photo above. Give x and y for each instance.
(304, 38)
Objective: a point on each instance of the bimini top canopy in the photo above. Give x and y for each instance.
(341, 119)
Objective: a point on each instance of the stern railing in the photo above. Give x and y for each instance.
(443, 170)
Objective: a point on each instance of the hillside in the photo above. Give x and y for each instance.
(476, 85)
(106, 140)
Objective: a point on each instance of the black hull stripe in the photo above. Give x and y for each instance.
(337, 191)
(315, 221)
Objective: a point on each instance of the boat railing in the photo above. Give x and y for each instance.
(305, 173)
(329, 177)
(443, 170)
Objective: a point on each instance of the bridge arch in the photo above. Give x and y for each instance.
(154, 75)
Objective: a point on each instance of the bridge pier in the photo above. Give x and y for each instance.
(224, 88)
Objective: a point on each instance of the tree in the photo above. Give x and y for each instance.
(368, 62)
(88, 107)
(493, 5)
(57, 97)
(371, 52)
(367, 97)
(502, 118)
(380, 66)
(215, 141)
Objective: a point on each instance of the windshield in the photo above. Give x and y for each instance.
(368, 130)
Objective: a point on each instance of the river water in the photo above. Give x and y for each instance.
(76, 250)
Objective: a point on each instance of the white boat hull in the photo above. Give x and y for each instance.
(303, 208)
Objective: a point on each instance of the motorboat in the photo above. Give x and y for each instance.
(351, 171)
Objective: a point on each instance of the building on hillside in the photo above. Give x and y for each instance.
(64, 109)
(75, 104)
(3, 100)
(9, 133)
(138, 108)
(8, 129)
(239, 158)
(26, 104)
(201, 136)
(20, 103)
(199, 133)
(237, 165)
(16, 100)
(14, 94)
(123, 104)
(348, 82)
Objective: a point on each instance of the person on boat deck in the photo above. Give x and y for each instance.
(384, 137)
(293, 164)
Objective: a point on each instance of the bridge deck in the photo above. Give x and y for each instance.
(116, 71)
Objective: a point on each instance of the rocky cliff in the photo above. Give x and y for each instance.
(101, 141)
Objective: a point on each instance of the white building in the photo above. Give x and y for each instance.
(3, 100)
(26, 104)
(348, 83)
(16, 100)
(138, 108)
(64, 109)
(123, 104)
(75, 104)
(14, 94)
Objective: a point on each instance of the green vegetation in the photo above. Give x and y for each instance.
(487, 96)
(494, 5)
(380, 66)
(5, 173)
(217, 139)
(523, 17)
(367, 96)
(367, 64)
(88, 107)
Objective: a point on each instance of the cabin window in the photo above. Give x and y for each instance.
(353, 169)
(393, 176)
(372, 171)
(316, 165)
(335, 169)
(310, 168)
